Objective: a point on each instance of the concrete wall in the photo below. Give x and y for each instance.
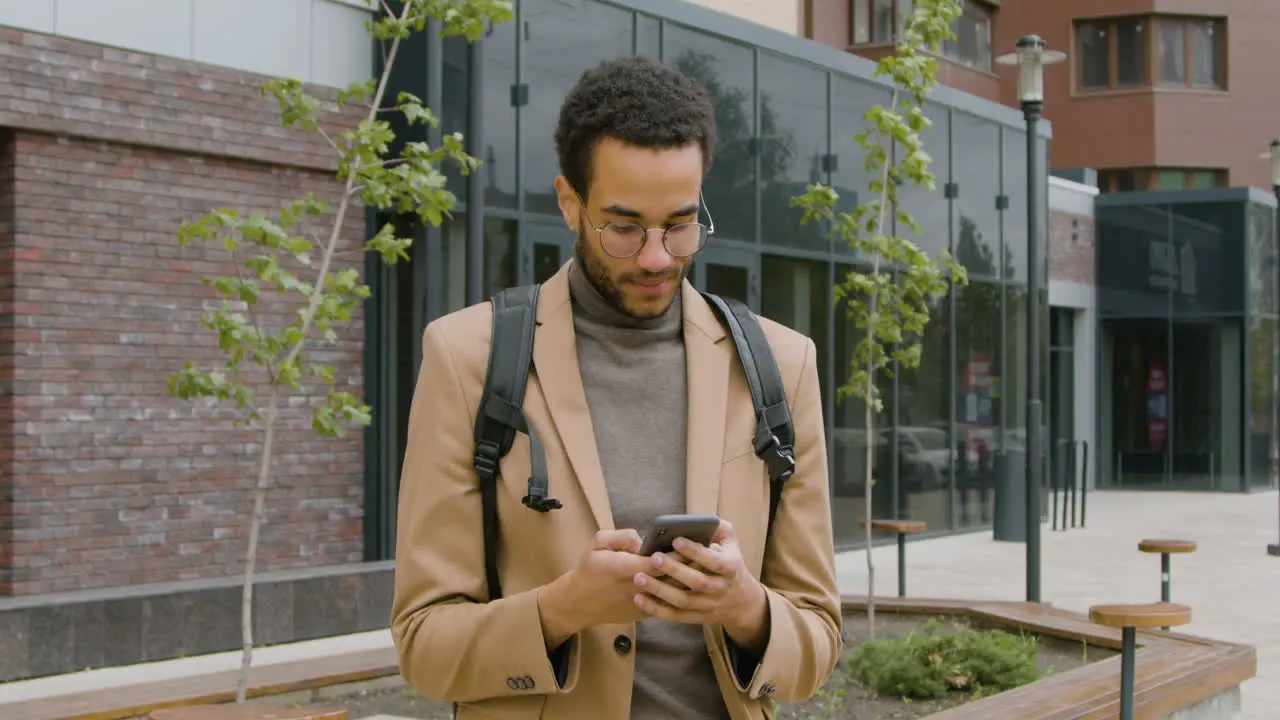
(783, 15)
(1071, 285)
(321, 41)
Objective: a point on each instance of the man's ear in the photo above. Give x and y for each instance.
(570, 206)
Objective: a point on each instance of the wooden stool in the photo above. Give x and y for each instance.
(1129, 618)
(248, 711)
(902, 528)
(1165, 547)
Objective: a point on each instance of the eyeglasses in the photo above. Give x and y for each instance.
(623, 239)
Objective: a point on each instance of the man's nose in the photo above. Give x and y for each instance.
(653, 256)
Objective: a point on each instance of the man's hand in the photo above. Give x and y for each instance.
(597, 590)
(706, 585)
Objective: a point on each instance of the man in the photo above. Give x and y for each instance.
(642, 407)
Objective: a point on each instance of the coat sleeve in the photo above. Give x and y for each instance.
(453, 646)
(798, 573)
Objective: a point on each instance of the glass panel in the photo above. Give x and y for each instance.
(1206, 48)
(1139, 401)
(561, 41)
(977, 148)
(547, 259)
(1171, 49)
(1011, 384)
(924, 445)
(882, 21)
(1205, 431)
(1131, 51)
(1171, 180)
(1095, 67)
(499, 116)
(725, 69)
(931, 210)
(849, 100)
(1264, 262)
(978, 402)
(972, 44)
(1204, 260)
(1014, 226)
(648, 36)
(731, 281)
(1264, 394)
(861, 22)
(453, 115)
(849, 439)
(793, 140)
(1204, 179)
(795, 293)
(499, 258)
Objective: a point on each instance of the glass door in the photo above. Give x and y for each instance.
(546, 248)
(729, 272)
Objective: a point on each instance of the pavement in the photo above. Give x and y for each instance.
(1231, 584)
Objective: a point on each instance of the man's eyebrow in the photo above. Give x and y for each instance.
(624, 211)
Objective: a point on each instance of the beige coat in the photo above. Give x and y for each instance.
(453, 646)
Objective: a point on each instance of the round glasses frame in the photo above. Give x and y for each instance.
(705, 232)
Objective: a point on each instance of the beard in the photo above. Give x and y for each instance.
(609, 288)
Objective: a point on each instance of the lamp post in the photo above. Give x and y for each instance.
(1030, 59)
(1274, 155)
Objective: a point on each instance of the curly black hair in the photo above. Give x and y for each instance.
(636, 100)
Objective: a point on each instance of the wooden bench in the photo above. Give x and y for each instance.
(901, 528)
(1166, 548)
(248, 711)
(1129, 618)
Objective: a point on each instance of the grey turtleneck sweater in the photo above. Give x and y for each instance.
(633, 372)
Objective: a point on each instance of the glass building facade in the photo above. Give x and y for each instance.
(788, 110)
(1188, 309)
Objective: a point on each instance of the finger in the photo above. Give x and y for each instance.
(691, 577)
(618, 540)
(714, 562)
(673, 594)
(656, 608)
(724, 532)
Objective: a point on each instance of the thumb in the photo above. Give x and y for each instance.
(619, 540)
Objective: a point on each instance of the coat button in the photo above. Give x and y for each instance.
(622, 644)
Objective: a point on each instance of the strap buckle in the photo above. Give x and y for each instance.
(781, 459)
(537, 499)
(486, 459)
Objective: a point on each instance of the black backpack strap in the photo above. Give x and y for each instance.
(775, 435)
(501, 415)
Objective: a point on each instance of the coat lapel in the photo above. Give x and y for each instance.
(707, 359)
(555, 356)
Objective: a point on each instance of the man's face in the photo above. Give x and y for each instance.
(654, 188)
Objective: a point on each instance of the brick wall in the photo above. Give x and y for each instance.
(113, 482)
(1071, 247)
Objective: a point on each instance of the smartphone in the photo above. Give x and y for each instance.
(666, 528)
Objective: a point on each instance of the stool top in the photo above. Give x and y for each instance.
(248, 711)
(908, 527)
(1142, 615)
(1157, 545)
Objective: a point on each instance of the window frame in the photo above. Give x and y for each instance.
(1147, 177)
(1150, 53)
(865, 17)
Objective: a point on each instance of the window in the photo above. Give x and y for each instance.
(875, 22)
(1117, 53)
(972, 43)
(1130, 179)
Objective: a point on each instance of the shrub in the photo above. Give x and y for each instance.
(930, 663)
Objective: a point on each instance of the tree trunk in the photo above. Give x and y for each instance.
(255, 527)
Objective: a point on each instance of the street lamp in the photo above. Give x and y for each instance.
(1274, 155)
(1030, 59)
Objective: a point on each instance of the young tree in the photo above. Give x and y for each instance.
(294, 258)
(889, 303)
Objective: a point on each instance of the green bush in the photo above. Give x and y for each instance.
(931, 663)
